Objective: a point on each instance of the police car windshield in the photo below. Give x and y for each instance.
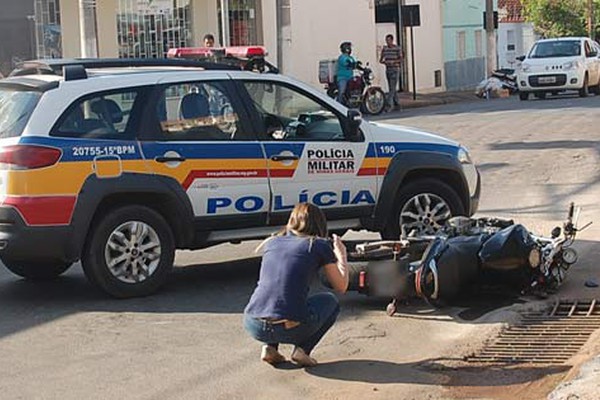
(557, 48)
(15, 109)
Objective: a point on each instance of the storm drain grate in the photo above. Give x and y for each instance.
(544, 338)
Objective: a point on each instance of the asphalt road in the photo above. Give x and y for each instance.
(65, 340)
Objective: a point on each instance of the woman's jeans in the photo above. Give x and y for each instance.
(323, 309)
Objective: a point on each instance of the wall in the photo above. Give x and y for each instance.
(204, 20)
(524, 40)
(317, 29)
(69, 17)
(464, 67)
(428, 46)
(106, 18)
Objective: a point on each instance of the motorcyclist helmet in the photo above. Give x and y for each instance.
(346, 47)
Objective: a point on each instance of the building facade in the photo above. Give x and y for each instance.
(464, 43)
(17, 30)
(515, 35)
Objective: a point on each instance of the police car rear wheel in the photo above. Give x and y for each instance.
(422, 207)
(130, 253)
(38, 271)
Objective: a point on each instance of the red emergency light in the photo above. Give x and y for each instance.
(208, 52)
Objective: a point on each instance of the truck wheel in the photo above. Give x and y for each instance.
(422, 207)
(523, 96)
(37, 271)
(129, 252)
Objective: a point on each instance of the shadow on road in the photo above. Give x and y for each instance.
(432, 372)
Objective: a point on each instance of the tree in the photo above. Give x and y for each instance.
(556, 18)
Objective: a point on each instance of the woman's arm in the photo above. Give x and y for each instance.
(337, 274)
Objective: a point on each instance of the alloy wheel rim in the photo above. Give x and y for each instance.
(132, 252)
(424, 213)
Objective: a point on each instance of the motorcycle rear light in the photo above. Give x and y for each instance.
(19, 157)
(362, 278)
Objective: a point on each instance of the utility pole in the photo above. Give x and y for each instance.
(491, 36)
(590, 18)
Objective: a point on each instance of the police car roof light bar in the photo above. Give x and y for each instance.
(249, 58)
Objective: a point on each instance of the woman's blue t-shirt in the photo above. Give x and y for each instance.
(288, 264)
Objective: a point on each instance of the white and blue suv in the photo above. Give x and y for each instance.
(118, 163)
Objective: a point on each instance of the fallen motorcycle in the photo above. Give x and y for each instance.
(466, 252)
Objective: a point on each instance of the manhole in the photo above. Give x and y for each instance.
(546, 337)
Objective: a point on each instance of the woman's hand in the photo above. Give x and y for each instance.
(337, 274)
(339, 249)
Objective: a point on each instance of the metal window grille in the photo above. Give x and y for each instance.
(244, 22)
(149, 28)
(48, 41)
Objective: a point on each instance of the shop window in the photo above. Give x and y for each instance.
(149, 28)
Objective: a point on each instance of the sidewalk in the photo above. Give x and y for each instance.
(433, 99)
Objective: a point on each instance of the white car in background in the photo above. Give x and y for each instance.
(556, 65)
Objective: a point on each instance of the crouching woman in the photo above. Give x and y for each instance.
(280, 309)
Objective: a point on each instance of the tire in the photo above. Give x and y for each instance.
(540, 95)
(37, 271)
(523, 96)
(373, 101)
(115, 237)
(585, 90)
(438, 192)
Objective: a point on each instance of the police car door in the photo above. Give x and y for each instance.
(197, 134)
(309, 156)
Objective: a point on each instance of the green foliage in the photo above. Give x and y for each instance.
(556, 18)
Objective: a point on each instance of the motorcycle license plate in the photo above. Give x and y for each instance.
(547, 79)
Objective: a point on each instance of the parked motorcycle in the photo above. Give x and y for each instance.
(465, 253)
(360, 93)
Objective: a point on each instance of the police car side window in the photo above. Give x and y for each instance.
(197, 111)
(98, 116)
(289, 115)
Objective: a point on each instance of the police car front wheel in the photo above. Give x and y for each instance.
(422, 207)
(130, 252)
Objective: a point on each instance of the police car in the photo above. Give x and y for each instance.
(118, 163)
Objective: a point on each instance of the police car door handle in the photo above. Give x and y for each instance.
(284, 158)
(165, 159)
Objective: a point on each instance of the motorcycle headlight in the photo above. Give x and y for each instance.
(535, 258)
(526, 67)
(569, 256)
(571, 65)
(463, 156)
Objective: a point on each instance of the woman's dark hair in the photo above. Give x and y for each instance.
(307, 220)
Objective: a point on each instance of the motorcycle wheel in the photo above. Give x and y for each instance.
(373, 101)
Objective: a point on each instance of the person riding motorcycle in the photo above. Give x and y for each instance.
(345, 69)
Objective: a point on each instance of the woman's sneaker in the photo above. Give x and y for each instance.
(270, 355)
(302, 359)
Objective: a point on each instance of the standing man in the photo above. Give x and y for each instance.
(345, 69)
(391, 56)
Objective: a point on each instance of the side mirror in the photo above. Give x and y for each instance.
(521, 58)
(354, 121)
